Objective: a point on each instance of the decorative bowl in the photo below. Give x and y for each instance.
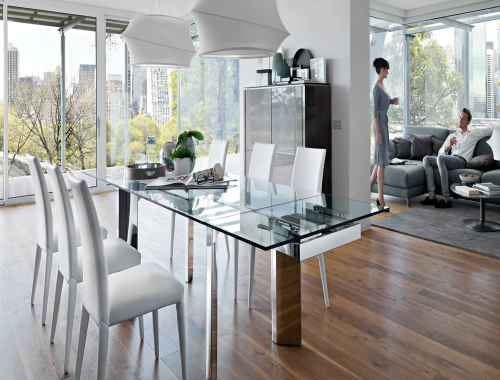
(141, 171)
(469, 178)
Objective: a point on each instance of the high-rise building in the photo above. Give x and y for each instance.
(490, 81)
(12, 65)
(115, 107)
(477, 70)
(86, 75)
(450, 58)
(138, 87)
(158, 106)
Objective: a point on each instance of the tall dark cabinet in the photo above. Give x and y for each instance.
(289, 116)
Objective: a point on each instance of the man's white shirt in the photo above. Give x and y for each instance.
(466, 143)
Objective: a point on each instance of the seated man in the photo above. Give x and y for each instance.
(456, 151)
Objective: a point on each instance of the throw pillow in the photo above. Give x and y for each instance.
(483, 162)
(392, 149)
(403, 147)
(436, 145)
(421, 146)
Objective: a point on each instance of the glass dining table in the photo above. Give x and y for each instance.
(293, 224)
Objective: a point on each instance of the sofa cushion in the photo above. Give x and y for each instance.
(437, 132)
(421, 146)
(484, 162)
(404, 176)
(482, 147)
(436, 145)
(492, 176)
(403, 148)
(392, 149)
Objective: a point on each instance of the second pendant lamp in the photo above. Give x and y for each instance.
(159, 41)
(238, 28)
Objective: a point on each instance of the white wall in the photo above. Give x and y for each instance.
(339, 31)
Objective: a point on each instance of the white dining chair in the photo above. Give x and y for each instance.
(119, 256)
(261, 168)
(307, 175)
(47, 233)
(217, 155)
(113, 298)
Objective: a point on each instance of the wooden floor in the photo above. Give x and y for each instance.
(400, 308)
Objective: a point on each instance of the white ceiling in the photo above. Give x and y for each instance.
(407, 5)
(181, 8)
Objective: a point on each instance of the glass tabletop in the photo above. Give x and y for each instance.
(263, 214)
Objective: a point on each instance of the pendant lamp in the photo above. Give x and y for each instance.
(159, 41)
(238, 28)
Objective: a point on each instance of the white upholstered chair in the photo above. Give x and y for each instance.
(308, 175)
(217, 155)
(261, 168)
(119, 256)
(113, 298)
(47, 234)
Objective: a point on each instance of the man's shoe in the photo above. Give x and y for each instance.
(429, 201)
(443, 204)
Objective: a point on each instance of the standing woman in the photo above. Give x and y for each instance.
(381, 102)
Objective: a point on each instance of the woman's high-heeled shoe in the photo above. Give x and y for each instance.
(386, 209)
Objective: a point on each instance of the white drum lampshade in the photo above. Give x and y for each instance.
(159, 41)
(494, 142)
(238, 28)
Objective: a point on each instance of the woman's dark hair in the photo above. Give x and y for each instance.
(380, 63)
(469, 115)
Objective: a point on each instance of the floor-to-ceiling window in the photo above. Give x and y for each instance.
(209, 102)
(51, 68)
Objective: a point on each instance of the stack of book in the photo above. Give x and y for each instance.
(466, 190)
(488, 188)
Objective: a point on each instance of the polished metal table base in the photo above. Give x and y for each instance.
(211, 317)
(481, 224)
(189, 249)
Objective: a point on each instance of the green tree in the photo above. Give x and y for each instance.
(434, 88)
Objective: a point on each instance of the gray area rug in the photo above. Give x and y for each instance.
(446, 226)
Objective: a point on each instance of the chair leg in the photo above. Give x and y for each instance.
(84, 325)
(250, 275)
(408, 202)
(172, 233)
(156, 334)
(102, 356)
(181, 322)
(57, 301)
(69, 325)
(235, 259)
(141, 327)
(35, 272)
(48, 269)
(227, 247)
(321, 259)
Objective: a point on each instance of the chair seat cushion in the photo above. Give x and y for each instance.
(55, 241)
(119, 256)
(140, 290)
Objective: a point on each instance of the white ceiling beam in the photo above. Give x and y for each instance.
(447, 9)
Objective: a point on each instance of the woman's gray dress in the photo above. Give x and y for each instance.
(381, 102)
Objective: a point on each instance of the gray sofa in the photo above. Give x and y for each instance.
(408, 181)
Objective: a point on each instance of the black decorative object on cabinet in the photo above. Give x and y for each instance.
(289, 116)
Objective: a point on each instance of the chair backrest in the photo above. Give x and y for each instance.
(45, 223)
(308, 169)
(68, 259)
(95, 269)
(218, 153)
(262, 164)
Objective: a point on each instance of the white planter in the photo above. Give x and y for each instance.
(182, 166)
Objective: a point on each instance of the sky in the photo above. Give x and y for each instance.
(40, 50)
